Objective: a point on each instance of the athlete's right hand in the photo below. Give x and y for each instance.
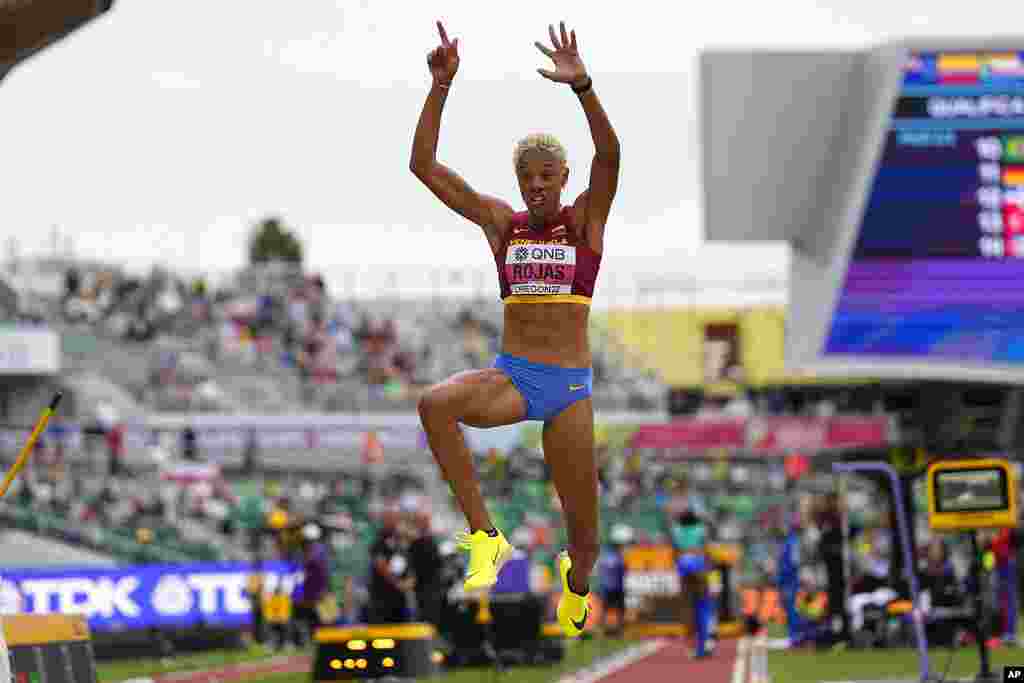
(444, 60)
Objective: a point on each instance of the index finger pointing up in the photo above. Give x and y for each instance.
(444, 36)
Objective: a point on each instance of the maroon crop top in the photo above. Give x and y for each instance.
(549, 265)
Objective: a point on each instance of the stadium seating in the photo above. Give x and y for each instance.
(178, 348)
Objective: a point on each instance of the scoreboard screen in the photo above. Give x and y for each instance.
(936, 272)
(971, 491)
(971, 494)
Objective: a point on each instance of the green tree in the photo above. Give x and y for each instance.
(271, 240)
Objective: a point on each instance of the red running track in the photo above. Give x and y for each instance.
(238, 672)
(673, 663)
(670, 662)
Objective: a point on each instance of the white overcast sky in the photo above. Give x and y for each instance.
(163, 130)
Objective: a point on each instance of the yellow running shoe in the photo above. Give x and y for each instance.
(573, 609)
(487, 554)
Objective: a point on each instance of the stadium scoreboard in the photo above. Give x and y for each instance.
(937, 269)
(971, 494)
(903, 199)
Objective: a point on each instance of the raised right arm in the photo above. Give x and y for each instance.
(491, 214)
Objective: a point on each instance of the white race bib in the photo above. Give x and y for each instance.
(540, 268)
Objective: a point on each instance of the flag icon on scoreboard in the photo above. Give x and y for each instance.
(1013, 148)
(920, 69)
(959, 68)
(1013, 230)
(1003, 66)
(1015, 246)
(1013, 176)
(1013, 220)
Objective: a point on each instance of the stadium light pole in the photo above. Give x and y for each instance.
(29, 26)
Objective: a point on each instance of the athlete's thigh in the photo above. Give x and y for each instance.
(483, 398)
(569, 451)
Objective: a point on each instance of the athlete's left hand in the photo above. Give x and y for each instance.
(569, 67)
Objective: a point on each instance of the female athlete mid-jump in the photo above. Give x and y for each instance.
(547, 259)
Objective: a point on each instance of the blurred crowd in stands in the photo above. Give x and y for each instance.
(274, 339)
(379, 543)
(865, 601)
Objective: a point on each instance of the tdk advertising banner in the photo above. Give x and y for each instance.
(146, 596)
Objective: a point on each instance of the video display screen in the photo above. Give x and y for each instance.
(937, 271)
(984, 490)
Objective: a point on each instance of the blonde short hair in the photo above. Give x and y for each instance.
(542, 142)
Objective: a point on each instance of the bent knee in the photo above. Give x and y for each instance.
(430, 403)
(434, 405)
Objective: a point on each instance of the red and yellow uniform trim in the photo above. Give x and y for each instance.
(547, 299)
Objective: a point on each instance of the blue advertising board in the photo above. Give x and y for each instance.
(145, 596)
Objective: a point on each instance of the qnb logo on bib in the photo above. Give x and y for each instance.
(540, 268)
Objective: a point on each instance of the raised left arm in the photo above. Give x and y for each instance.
(591, 207)
(594, 204)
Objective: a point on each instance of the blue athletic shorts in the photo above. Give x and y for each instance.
(690, 564)
(547, 389)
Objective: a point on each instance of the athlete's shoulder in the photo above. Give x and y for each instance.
(572, 217)
(503, 215)
(498, 227)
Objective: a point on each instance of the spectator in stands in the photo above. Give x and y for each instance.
(317, 290)
(289, 343)
(115, 449)
(830, 549)
(788, 579)
(311, 342)
(611, 568)
(378, 341)
(425, 563)
(940, 590)
(388, 602)
(59, 429)
(873, 587)
(297, 312)
(251, 454)
(189, 447)
(323, 353)
(404, 363)
(254, 587)
(264, 314)
(311, 594)
(1004, 547)
(72, 281)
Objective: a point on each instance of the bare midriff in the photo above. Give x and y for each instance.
(551, 333)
